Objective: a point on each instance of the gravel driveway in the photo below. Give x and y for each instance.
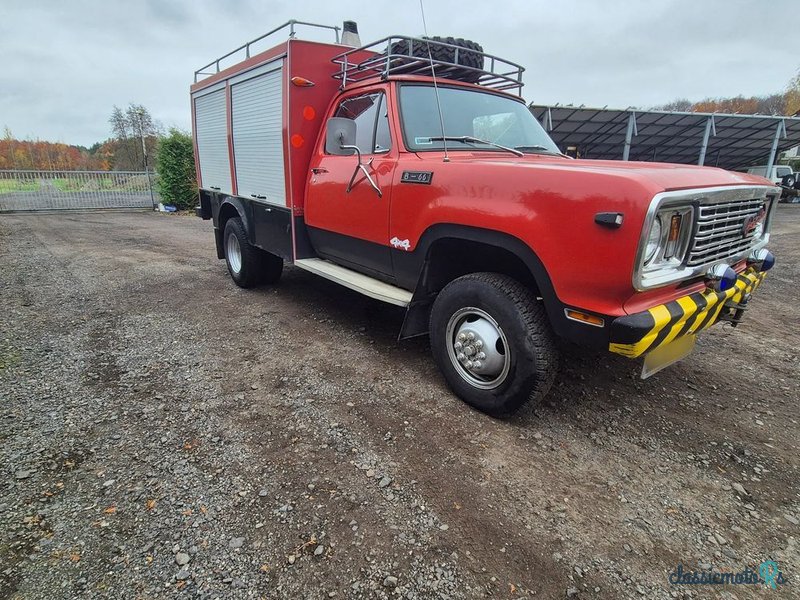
(166, 434)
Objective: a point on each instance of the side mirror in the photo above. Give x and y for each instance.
(340, 132)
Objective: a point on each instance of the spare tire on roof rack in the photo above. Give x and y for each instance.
(468, 54)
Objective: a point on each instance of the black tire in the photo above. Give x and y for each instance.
(254, 265)
(471, 56)
(532, 356)
(789, 181)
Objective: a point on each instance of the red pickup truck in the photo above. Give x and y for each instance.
(412, 171)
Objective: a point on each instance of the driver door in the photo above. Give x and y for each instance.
(352, 228)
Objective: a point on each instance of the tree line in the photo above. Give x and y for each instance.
(132, 147)
(785, 103)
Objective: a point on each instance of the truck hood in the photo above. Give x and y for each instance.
(656, 176)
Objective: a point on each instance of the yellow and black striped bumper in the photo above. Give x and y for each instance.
(637, 334)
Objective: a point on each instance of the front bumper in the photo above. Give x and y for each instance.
(636, 335)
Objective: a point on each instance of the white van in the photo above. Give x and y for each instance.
(777, 174)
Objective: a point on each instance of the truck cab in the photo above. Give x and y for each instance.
(411, 170)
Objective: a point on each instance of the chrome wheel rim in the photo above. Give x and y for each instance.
(234, 253)
(478, 348)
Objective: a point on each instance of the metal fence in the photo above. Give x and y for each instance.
(73, 190)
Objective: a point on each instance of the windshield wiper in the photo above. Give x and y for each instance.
(468, 139)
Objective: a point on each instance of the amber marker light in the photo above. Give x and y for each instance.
(674, 234)
(583, 317)
(302, 82)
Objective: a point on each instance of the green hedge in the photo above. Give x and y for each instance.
(176, 176)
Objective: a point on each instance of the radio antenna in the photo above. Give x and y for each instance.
(435, 86)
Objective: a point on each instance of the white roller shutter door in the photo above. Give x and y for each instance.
(257, 119)
(212, 141)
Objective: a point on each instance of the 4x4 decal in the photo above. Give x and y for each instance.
(398, 243)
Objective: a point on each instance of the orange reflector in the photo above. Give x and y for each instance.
(302, 82)
(674, 228)
(309, 113)
(297, 140)
(582, 317)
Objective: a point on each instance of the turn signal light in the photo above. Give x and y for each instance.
(674, 234)
(583, 317)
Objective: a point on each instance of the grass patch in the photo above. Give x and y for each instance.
(9, 186)
(94, 184)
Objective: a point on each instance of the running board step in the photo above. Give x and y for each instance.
(359, 282)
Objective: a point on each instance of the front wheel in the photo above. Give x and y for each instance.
(491, 339)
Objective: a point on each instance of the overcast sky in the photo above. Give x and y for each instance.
(67, 62)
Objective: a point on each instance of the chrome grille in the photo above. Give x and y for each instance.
(720, 231)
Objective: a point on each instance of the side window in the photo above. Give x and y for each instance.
(372, 121)
(383, 139)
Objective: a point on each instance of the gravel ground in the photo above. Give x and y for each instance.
(166, 434)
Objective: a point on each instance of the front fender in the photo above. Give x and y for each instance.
(412, 270)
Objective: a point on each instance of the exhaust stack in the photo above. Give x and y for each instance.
(350, 34)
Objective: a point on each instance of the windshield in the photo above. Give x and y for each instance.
(471, 114)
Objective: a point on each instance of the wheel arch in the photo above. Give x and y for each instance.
(448, 251)
(229, 208)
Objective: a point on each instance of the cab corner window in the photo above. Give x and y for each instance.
(370, 113)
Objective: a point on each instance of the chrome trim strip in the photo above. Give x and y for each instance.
(698, 197)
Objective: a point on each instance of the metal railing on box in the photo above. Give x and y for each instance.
(244, 51)
(403, 55)
(74, 190)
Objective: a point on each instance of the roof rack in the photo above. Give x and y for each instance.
(201, 73)
(401, 54)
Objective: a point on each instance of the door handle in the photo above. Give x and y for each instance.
(318, 170)
(259, 196)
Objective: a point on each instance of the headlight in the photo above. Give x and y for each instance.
(664, 245)
(654, 241)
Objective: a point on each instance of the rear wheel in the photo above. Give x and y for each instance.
(248, 265)
(491, 340)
